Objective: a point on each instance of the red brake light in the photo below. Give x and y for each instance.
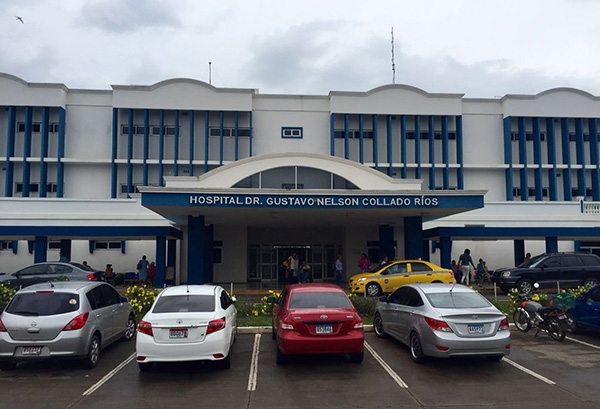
(91, 276)
(215, 325)
(2, 327)
(145, 328)
(44, 292)
(77, 323)
(437, 325)
(503, 325)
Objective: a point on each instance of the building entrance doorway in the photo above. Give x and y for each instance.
(264, 261)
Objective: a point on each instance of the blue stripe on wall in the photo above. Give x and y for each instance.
(445, 161)
(403, 145)
(206, 131)
(418, 146)
(113, 156)
(507, 123)
(161, 147)
(129, 151)
(27, 151)
(594, 160)
(459, 153)
(431, 135)
(176, 145)
(346, 137)
(566, 155)
(10, 151)
(537, 158)
(552, 173)
(236, 122)
(191, 142)
(522, 127)
(146, 147)
(361, 141)
(221, 119)
(580, 155)
(44, 153)
(390, 147)
(60, 177)
(375, 141)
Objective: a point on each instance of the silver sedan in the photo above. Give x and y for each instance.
(443, 320)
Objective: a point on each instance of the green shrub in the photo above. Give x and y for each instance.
(119, 279)
(364, 305)
(6, 294)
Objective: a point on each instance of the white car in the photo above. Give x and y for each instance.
(188, 323)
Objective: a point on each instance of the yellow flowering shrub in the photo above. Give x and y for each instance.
(6, 294)
(141, 298)
(264, 307)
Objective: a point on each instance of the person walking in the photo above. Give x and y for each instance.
(339, 269)
(142, 268)
(364, 264)
(456, 271)
(465, 262)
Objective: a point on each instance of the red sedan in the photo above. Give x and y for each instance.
(316, 319)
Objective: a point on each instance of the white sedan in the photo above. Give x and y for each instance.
(188, 323)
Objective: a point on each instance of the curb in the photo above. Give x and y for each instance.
(267, 330)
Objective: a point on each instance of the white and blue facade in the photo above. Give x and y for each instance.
(222, 184)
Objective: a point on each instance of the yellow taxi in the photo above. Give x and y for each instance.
(390, 276)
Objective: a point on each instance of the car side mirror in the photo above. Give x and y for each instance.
(271, 300)
(124, 299)
(233, 299)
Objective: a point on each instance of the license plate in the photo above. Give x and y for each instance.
(32, 350)
(475, 329)
(178, 333)
(324, 329)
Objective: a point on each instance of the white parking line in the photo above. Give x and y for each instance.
(583, 343)
(109, 375)
(528, 371)
(385, 366)
(254, 364)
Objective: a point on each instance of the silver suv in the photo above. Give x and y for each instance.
(63, 320)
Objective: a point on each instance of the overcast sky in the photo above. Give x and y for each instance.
(481, 48)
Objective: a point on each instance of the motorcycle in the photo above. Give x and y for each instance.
(530, 314)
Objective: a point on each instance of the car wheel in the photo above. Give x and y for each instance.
(7, 365)
(590, 282)
(282, 358)
(373, 290)
(416, 348)
(145, 367)
(358, 357)
(525, 286)
(571, 323)
(494, 358)
(522, 320)
(378, 325)
(91, 359)
(130, 330)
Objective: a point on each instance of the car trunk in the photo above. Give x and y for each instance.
(473, 323)
(36, 328)
(180, 328)
(311, 322)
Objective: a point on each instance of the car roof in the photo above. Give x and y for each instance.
(430, 288)
(196, 289)
(314, 287)
(61, 286)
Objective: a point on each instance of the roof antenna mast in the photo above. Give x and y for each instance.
(393, 61)
(209, 73)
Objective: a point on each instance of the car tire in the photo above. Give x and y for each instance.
(130, 330)
(525, 286)
(145, 367)
(357, 358)
(373, 290)
(494, 358)
(416, 348)
(378, 326)
(521, 320)
(7, 365)
(590, 282)
(281, 358)
(91, 359)
(573, 328)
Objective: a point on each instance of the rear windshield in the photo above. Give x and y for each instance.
(457, 300)
(185, 303)
(40, 304)
(319, 300)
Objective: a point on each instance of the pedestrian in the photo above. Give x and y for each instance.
(456, 271)
(384, 261)
(142, 269)
(364, 264)
(339, 270)
(152, 273)
(304, 272)
(84, 263)
(63, 258)
(109, 273)
(465, 261)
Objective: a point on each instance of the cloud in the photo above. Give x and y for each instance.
(119, 16)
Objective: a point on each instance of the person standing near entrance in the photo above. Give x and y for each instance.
(364, 264)
(465, 262)
(142, 268)
(339, 269)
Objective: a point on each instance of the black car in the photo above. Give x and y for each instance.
(551, 270)
(51, 271)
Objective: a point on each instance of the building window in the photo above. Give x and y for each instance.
(292, 186)
(229, 132)
(124, 190)
(291, 132)
(54, 245)
(437, 135)
(6, 245)
(530, 192)
(528, 136)
(36, 127)
(217, 252)
(153, 130)
(107, 245)
(353, 134)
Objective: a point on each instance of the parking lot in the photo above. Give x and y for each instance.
(539, 373)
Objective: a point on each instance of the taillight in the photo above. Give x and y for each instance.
(358, 323)
(503, 325)
(145, 328)
(2, 327)
(77, 323)
(91, 276)
(215, 325)
(286, 325)
(437, 325)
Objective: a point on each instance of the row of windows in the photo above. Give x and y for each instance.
(36, 127)
(514, 136)
(531, 192)
(410, 135)
(35, 187)
(169, 130)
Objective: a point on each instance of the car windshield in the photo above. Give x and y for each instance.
(457, 300)
(319, 300)
(531, 261)
(185, 303)
(41, 304)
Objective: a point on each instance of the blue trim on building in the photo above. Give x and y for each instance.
(129, 151)
(206, 133)
(522, 134)
(191, 142)
(161, 147)
(146, 147)
(445, 153)
(594, 160)
(10, 151)
(15, 246)
(44, 152)
(418, 146)
(332, 134)
(161, 259)
(60, 170)
(236, 124)
(40, 247)
(460, 173)
(580, 157)
(403, 146)
(386, 241)
(221, 119)
(537, 158)
(507, 127)
(113, 156)
(390, 148)
(96, 232)
(197, 242)
(91, 246)
(375, 141)
(552, 172)
(346, 137)
(508, 233)
(251, 133)
(361, 140)
(176, 145)
(566, 156)
(431, 140)
(27, 151)
(413, 237)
